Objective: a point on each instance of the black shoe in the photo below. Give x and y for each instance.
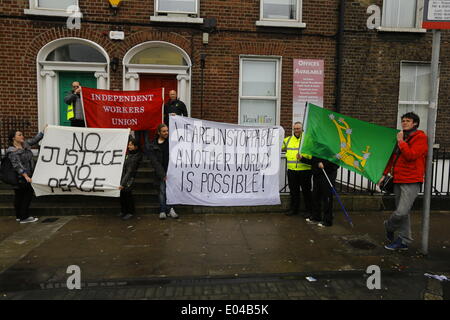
(127, 216)
(324, 224)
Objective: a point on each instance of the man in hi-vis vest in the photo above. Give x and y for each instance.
(74, 107)
(299, 174)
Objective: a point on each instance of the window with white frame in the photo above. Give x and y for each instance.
(52, 7)
(259, 91)
(177, 6)
(402, 14)
(414, 91)
(283, 13)
(178, 11)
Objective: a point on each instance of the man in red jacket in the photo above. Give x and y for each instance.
(407, 165)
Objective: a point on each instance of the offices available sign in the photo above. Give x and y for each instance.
(80, 161)
(308, 86)
(220, 164)
(436, 14)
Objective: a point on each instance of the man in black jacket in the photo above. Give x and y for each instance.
(174, 107)
(159, 157)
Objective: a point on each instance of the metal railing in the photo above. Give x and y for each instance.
(348, 182)
(11, 123)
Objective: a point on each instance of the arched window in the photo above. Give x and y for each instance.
(159, 56)
(76, 52)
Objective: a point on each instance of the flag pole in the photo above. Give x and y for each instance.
(304, 129)
(339, 199)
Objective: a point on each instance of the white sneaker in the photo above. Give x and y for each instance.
(173, 214)
(162, 215)
(29, 220)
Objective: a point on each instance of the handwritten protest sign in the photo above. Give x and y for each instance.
(219, 164)
(80, 161)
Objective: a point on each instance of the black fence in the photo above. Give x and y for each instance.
(8, 124)
(348, 182)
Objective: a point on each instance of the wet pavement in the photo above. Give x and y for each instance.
(215, 256)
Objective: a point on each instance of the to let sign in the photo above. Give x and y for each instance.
(436, 14)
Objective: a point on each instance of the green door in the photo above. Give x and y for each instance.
(86, 79)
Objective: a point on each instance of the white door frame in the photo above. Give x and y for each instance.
(131, 71)
(48, 80)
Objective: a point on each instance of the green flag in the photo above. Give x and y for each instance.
(356, 145)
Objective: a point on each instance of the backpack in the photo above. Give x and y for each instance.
(7, 173)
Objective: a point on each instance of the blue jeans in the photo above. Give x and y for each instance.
(163, 207)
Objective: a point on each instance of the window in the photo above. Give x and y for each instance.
(280, 13)
(177, 6)
(159, 56)
(402, 15)
(76, 52)
(51, 7)
(183, 11)
(259, 97)
(414, 91)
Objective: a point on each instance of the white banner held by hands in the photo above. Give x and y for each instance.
(80, 161)
(220, 164)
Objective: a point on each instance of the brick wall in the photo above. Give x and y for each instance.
(370, 68)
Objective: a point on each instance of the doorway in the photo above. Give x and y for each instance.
(155, 81)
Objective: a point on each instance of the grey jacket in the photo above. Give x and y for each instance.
(77, 106)
(22, 159)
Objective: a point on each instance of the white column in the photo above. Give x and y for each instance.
(133, 81)
(182, 86)
(51, 111)
(102, 80)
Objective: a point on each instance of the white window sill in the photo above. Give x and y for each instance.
(53, 13)
(176, 19)
(282, 24)
(393, 29)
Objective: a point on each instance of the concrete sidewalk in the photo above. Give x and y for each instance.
(208, 246)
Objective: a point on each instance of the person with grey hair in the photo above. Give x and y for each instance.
(74, 106)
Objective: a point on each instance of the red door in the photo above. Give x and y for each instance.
(154, 81)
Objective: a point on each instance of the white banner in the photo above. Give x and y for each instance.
(219, 164)
(82, 161)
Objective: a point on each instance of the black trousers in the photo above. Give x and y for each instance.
(300, 179)
(323, 195)
(77, 123)
(22, 200)
(127, 202)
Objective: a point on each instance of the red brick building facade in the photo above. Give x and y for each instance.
(36, 46)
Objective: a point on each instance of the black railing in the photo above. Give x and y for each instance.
(348, 182)
(6, 125)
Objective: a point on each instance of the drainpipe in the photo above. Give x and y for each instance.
(339, 55)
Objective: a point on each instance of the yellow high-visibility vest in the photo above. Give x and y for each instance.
(291, 145)
(70, 113)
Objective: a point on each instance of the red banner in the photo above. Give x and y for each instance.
(138, 110)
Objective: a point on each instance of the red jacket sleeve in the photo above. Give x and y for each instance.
(417, 148)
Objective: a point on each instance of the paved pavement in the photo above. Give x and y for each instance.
(217, 256)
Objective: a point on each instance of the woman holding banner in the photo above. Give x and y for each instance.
(21, 157)
(159, 157)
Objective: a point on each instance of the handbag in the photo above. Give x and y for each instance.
(7, 173)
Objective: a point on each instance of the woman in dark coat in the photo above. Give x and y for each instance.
(130, 168)
(21, 157)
